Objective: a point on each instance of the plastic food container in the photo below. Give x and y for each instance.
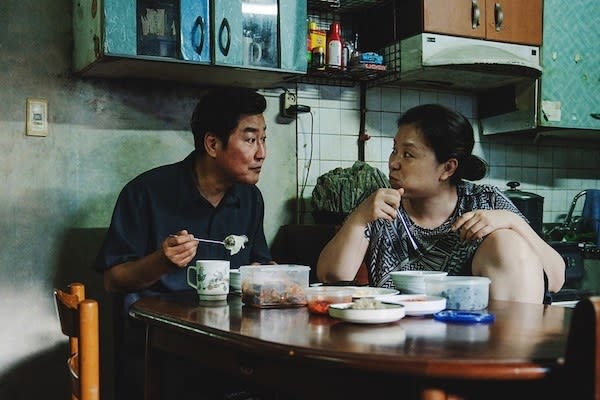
(461, 292)
(320, 297)
(413, 282)
(274, 286)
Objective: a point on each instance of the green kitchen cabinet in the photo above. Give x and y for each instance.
(253, 43)
(570, 54)
(261, 34)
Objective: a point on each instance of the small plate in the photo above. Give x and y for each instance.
(367, 291)
(416, 304)
(389, 313)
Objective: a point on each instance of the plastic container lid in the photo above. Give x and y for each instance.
(464, 317)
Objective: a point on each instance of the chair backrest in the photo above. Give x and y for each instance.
(79, 321)
(582, 361)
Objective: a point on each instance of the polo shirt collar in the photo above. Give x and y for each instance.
(189, 194)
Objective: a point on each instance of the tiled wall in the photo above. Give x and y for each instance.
(556, 169)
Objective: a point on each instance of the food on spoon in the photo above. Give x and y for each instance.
(234, 243)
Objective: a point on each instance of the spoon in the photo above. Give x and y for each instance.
(233, 243)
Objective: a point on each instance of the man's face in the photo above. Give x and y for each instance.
(246, 150)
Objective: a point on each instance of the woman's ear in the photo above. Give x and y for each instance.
(450, 167)
(211, 144)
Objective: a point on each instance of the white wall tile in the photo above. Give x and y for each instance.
(447, 99)
(350, 122)
(389, 124)
(308, 146)
(373, 124)
(330, 121)
(330, 147)
(373, 149)
(390, 99)
(326, 166)
(349, 148)
(409, 98)
(330, 97)
(373, 99)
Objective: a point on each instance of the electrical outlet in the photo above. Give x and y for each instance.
(286, 101)
(37, 117)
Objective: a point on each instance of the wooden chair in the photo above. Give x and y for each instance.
(582, 361)
(79, 321)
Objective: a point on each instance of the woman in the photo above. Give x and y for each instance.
(459, 227)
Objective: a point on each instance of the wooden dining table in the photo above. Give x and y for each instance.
(311, 356)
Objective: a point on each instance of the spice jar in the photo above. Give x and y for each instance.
(318, 58)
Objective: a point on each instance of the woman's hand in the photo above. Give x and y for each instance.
(478, 224)
(383, 203)
(179, 249)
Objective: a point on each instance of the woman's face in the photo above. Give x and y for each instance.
(413, 165)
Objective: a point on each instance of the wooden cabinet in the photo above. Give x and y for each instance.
(513, 21)
(195, 41)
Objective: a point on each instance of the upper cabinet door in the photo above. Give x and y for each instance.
(292, 20)
(570, 58)
(227, 32)
(515, 21)
(455, 17)
(246, 33)
(195, 30)
(120, 36)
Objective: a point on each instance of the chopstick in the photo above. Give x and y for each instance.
(203, 240)
(410, 236)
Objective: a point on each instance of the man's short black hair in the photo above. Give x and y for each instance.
(219, 112)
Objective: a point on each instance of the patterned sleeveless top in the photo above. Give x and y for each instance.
(439, 248)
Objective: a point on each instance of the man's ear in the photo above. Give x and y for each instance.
(211, 144)
(450, 167)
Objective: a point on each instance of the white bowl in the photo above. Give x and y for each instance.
(413, 282)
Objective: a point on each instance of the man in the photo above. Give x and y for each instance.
(210, 194)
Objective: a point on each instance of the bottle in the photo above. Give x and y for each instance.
(316, 36)
(318, 58)
(334, 46)
(355, 54)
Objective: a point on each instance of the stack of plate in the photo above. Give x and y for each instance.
(235, 280)
(413, 282)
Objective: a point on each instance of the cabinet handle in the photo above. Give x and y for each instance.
(475, 14)
(198, 26)
(498, 16)
(224, 26)
(595, 115)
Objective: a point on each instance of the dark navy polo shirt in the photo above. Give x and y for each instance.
(165, 200)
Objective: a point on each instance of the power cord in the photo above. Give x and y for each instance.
(302, 207)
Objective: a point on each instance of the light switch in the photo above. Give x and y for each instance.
(37, 117)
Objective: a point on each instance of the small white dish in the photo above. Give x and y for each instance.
(416, 304)
(388, 313)
(368, 291)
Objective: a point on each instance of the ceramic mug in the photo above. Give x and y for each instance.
(211, 279)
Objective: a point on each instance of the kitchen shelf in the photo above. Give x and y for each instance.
(335, 77)
(340, 6)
